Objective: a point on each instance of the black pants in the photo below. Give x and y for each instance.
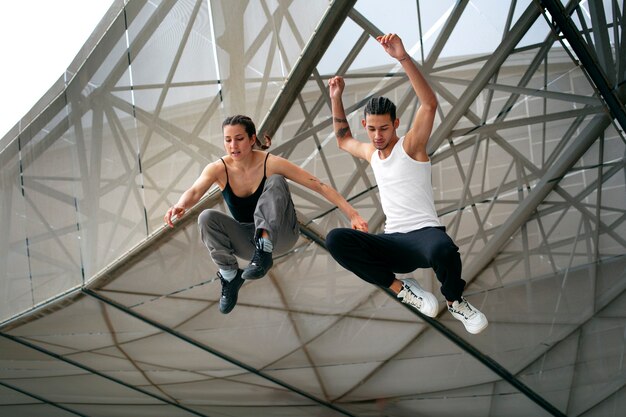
(376, 258)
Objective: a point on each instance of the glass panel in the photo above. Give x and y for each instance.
(15, 278)
(49, 178)
(110, 199)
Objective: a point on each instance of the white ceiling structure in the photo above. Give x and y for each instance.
(106, 312)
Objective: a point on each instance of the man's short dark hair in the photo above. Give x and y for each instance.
(380, 105)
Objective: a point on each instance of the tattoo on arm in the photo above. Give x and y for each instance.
(340, 120)
(342, 132)
(317, 181)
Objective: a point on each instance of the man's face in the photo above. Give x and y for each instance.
(381, 129)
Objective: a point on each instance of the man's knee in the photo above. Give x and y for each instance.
(446, 252)
(337, 239)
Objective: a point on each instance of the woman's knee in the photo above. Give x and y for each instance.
(276, 181)
(276, 189)
(208, 218)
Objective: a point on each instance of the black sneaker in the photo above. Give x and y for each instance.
(259, 265)
(230, 291)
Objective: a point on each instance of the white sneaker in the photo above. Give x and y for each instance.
(473, 320)
(414, 295)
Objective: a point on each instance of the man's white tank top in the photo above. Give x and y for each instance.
(406, 191)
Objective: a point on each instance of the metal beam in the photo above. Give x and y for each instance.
(601, 38)
(444, 35)
(492, 65)
(547, 183)
(589, 64)
(41, 399)
(94, 371)
(300, 73)
(215, 352)
(486, 360)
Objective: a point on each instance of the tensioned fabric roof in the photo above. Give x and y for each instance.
(106, 312)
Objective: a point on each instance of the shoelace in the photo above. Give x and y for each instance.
(410, 298)
(258, 254)
(224, 286)
(464, 309)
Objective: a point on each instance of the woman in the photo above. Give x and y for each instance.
(254, 187)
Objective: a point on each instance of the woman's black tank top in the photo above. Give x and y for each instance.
(242, 208)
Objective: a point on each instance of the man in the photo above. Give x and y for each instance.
(414, 237)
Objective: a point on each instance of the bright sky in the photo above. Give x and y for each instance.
(38, 41)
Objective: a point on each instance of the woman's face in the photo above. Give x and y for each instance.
(237, 143)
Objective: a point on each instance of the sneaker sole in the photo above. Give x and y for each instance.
(477, 328)
(250, 275)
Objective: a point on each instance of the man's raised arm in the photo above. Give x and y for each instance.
(417, 137)
(345, 140)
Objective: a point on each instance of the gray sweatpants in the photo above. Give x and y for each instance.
(226, 238)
